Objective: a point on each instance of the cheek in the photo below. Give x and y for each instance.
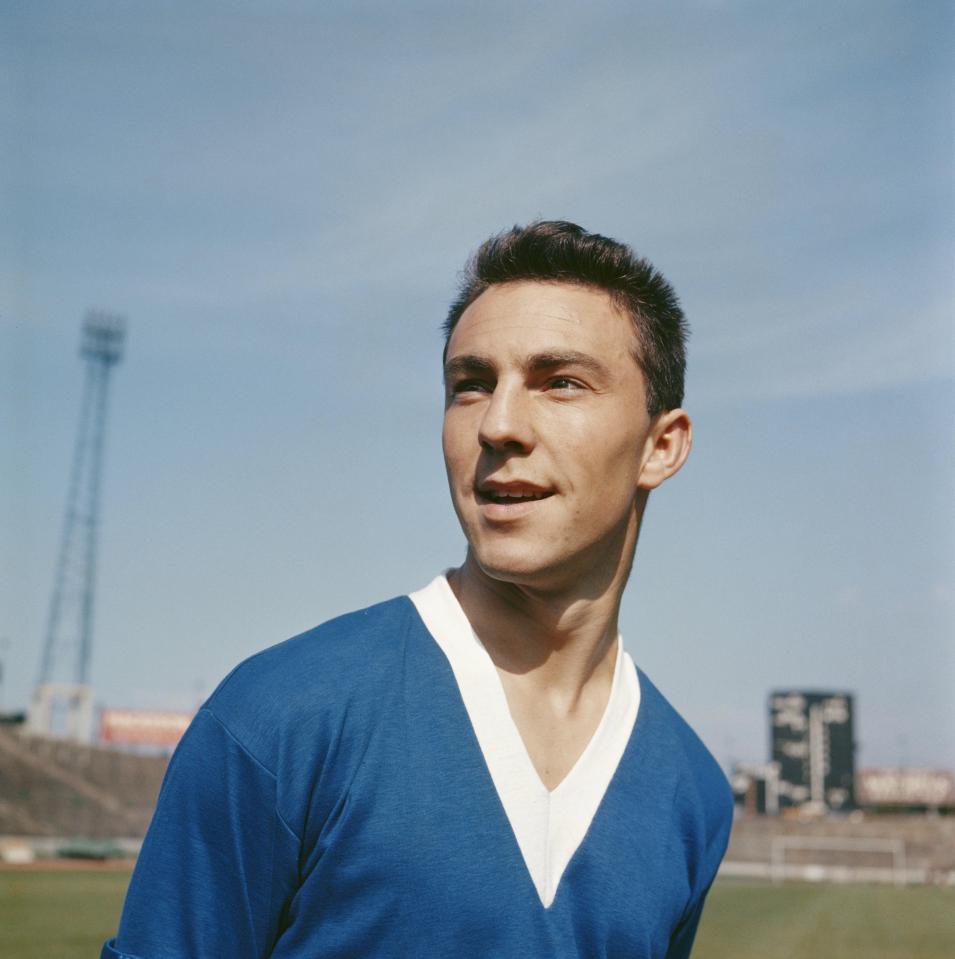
(610, 474)
(603, 457)
(457, 457)
(449, 437)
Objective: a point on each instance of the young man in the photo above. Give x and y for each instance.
(477, 769)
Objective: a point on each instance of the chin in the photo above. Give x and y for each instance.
(521, 568)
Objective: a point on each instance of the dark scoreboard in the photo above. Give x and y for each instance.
(812, 740)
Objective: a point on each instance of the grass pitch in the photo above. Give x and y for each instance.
(59, 913)
(822, 921)
(67, 913)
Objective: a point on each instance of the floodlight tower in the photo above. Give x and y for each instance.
(63, 701)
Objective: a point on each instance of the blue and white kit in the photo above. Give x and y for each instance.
(361, 790)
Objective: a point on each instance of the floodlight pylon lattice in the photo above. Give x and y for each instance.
(67, 647)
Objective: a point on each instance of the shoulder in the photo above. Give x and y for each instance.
(702, 790)
(355, 639)
(302, 686)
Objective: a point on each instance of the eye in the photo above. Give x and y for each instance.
(564, 383)
(468, 386)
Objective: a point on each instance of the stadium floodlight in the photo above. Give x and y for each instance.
(103, 337)
(64, 666)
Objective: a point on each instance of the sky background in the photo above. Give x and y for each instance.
(280, 198)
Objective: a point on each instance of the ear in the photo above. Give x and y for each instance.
(667, 447)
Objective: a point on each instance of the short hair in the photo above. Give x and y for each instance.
(562, 252)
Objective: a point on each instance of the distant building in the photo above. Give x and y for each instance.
(811, 733)
(894, 789)
(756, 787)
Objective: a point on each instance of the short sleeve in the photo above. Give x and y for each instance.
(218, 864)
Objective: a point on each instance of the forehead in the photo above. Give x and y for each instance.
(533, 315)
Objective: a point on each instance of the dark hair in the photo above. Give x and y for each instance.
(555, 250)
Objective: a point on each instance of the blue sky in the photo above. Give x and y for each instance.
(280, 196)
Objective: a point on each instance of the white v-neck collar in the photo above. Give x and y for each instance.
(548, 825)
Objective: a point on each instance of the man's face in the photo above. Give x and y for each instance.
(546, 432)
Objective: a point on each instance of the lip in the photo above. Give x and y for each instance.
(513, 499)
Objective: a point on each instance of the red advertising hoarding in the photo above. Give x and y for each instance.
(888, 786)
(142, 727)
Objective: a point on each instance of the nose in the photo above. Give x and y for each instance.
(507, 423)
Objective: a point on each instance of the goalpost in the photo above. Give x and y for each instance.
(832, 850)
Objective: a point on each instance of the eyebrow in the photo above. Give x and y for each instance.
(548, 361)
(467, 364)
(470, 363)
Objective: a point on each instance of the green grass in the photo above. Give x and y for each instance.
(68, 914)
(816, 921)
(58, 915)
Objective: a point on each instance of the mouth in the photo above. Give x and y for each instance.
(510, 494)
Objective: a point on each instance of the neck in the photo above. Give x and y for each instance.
(556, 637)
